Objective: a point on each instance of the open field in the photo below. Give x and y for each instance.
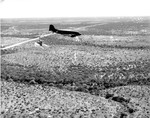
(7, 41)
(110, 64)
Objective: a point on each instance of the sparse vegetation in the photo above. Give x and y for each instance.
(81, 77)
(121, 28)
(99, 65)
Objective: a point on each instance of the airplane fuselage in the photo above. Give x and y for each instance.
(63, 32)
(68, 33)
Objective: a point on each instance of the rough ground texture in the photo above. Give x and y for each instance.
(23, 100)
(27, 64)
(138, 96)
(103, 74)
(27, 100)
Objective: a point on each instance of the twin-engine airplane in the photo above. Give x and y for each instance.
(62, 32)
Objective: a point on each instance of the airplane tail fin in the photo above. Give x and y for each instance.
(52, 28)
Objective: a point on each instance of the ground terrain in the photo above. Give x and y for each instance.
(106, 73)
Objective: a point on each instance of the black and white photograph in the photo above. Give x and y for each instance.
(75, 59)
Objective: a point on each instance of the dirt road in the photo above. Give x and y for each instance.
(17, 44)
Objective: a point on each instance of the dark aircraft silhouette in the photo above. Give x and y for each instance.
(62, 32)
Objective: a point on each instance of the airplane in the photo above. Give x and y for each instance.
(63, 32)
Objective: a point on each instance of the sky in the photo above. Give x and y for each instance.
(73, 8)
